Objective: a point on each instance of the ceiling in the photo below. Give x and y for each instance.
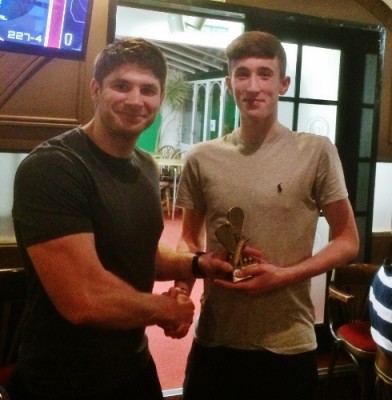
(192, 45)
(191, 59)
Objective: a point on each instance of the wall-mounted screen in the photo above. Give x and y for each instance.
(55, 28)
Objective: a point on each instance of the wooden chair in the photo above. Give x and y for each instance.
(167, 151)
(12, 315)
(168, 178)
(165, 188)
(348, 313)
(383, 367)
(180, 155)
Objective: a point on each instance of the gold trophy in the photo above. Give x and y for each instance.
(230, 236)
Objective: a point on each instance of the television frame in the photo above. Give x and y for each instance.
(23, 47)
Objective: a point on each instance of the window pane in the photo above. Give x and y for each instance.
(215, 110)
(200, 115)
(382, 211)
(286, 113)
(320, 73)
(186, 136)
(369, 87)
(363, 186)
(229, 116)
(317, 119)
(365, 140)
(8, 164)
(291, 55)
(361, 225)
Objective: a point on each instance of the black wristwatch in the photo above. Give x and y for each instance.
(196, 270)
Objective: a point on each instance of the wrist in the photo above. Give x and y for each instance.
(197, 272)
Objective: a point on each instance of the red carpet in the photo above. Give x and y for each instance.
(170, 354)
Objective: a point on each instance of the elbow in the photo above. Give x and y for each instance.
(352, 249)
(78, 311)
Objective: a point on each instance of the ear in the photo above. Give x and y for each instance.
(95, 89)
(284, 85)
(229, 85)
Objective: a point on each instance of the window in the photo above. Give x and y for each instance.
(8, 164)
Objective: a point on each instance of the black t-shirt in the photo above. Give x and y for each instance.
(65, 186)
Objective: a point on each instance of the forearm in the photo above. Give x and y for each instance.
(173, 265)
(114, 304)
(85, 293)
(337, 252)
(192, 239)
(343, 246)
(183, 245)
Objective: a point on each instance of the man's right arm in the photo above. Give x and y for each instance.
(85, 293)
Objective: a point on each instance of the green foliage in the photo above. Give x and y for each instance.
(177, 91)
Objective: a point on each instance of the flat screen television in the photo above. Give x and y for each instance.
(53, 28)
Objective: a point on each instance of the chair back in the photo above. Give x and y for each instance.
(180, 154)
(348, 293)
(12, 313)
(167, 151)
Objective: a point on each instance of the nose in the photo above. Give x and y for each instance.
(134, 97)
(253, 83)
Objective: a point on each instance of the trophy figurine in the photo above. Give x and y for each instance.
(230, 236)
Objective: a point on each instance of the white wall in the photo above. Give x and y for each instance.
(382, 211)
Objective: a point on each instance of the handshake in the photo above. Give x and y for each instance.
(184, 317)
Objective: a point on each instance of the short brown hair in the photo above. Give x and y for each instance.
(130, 51)
(257, 44)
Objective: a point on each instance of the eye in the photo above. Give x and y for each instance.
(149, 90)
(241, 74)
(265, 73)
(121, 86)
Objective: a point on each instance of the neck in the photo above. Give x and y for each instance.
(255, 134)
(117, 145)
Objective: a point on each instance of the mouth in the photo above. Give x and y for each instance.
(251, 102)
(131, 116)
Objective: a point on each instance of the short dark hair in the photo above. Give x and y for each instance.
(130, 51)
(257, 44)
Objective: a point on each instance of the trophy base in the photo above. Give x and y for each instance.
(236, 279)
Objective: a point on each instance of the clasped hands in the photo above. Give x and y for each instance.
(260, 277)
(214, 266)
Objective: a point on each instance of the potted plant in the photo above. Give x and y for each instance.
(177, 92)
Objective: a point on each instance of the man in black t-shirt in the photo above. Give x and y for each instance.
(88, 219)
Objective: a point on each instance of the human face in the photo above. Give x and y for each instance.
(256, 85)
(127, 101)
